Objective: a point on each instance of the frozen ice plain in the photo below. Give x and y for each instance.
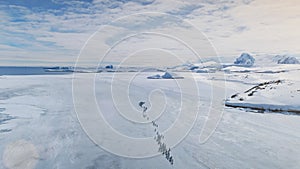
(39, 109)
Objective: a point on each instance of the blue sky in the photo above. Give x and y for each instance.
(52, 32)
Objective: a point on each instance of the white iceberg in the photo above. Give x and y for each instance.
(285, 59)
(245, 60)
(167, 75)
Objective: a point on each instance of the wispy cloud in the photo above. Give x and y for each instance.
(55, 30)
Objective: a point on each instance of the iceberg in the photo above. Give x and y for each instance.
(287, 59)
(167, 75)
(245, 60)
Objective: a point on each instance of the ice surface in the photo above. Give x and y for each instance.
(39, 109)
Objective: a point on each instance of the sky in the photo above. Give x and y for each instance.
(53, 32)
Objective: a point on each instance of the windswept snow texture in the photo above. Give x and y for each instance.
(40, 110)
(245, 60)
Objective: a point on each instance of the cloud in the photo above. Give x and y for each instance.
(55, 30)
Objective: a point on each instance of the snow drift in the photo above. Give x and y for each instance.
(272, 96)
